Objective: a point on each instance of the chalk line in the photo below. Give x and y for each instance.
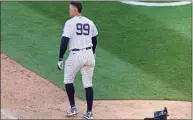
(6, 115)
(154, 4)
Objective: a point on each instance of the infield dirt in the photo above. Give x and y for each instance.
(24, 94)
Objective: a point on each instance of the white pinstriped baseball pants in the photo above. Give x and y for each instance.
(83, 61)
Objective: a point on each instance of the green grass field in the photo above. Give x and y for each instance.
(143, 53)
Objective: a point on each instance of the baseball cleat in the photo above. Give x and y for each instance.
(88, 115)
(72, 112)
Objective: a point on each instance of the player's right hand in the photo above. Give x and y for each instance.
(60, 64)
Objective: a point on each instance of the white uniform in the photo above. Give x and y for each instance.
(80, 30)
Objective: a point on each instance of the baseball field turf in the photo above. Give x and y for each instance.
(142, 52)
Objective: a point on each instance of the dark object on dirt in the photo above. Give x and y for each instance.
(159, 115)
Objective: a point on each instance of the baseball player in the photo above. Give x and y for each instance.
(80, 35)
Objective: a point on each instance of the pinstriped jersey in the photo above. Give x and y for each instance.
(80, 30)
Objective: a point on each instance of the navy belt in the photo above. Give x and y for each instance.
(81, 49)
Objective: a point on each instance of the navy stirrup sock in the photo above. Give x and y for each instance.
(89, 98)
(70, 92)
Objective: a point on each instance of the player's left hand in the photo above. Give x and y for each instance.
(60, 64)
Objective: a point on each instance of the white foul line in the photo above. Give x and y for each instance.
(6, 115)
(157, 4)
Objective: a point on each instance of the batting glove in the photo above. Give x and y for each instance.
(60, 64)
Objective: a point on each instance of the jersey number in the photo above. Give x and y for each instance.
(82, 29)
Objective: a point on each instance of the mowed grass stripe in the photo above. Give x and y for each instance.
(177, 18)
(27, 37)
(122, 80)
(146, 42)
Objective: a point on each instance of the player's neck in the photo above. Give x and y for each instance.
(77, 15)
